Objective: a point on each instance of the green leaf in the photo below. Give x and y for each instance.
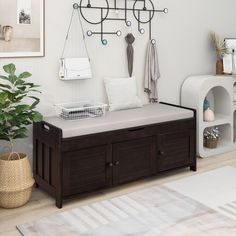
(23, 118)
(5, 91)
(18, 99)
(22, 87)
(19, 82)
(22, 108)
(11, 96)
(4, 77)
(3, 98)
(8, 116)
(13, 78)
(34, 104)
(25, 75)
(5, 86)
(35, 98)
(20, 133)
(4, 105)
(29, 84)
(2, 119)
(10, 69)
(37, 117)
(34, 90)
(32, 85)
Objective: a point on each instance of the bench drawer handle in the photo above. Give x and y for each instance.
(117, 163)
(162, 153)
(46, 127)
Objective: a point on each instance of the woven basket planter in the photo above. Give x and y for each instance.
(16, 180)
(211, 143)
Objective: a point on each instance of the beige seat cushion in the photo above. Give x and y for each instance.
(149, 114)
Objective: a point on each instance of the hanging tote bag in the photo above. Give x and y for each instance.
(75, 68)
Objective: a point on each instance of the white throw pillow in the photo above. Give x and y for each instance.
(122, 93)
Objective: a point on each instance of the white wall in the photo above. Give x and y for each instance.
(183, 44)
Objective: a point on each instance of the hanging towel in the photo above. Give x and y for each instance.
(152, 72)
(130, 52)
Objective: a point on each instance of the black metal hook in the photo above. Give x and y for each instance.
(153, 41)
(76, 6)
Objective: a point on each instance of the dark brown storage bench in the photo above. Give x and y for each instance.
(76, 157)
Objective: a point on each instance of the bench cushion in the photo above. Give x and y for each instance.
(149, 114)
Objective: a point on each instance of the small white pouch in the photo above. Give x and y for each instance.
(75, 68)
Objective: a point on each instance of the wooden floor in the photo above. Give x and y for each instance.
(43, 205)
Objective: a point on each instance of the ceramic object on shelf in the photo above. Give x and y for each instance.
(219, 67)
(206, 104)
(208, 115)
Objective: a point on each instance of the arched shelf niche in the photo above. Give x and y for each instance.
(219, 100)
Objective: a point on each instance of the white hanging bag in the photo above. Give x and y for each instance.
(75, 68)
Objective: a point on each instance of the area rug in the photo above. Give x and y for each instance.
(150, 212)
(215, 189)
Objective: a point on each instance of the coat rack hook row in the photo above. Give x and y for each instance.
(77, 6)
(104, 11)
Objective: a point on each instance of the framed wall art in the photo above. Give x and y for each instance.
(21, 28)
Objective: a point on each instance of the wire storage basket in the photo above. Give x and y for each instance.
(80, 110)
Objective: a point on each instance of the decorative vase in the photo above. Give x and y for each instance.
(219, 67)
(208, 115)
(16, 180)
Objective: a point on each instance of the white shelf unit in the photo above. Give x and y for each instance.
(219, 90)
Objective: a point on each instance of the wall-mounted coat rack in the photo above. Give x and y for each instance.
(147, 7)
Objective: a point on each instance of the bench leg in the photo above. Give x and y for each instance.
(193, 168)
(59, 202)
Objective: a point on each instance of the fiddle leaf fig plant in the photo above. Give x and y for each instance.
(17, 104)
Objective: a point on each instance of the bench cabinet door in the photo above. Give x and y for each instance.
(133, 159)
(175, 149)
(86, 170)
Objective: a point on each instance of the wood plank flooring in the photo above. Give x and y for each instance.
(43, 205)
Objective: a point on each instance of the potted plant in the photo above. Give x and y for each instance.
(221, 50)
(211, 137)
(17, 111)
